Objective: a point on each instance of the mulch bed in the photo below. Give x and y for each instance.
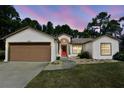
(92, 61)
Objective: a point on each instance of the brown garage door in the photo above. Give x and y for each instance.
(29, 52)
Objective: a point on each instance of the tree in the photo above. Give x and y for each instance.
(121, 43)
(101, 20)
(106, 26)
(86, 33)
(113, 28)
(44, 28)
(32, 23)
(50, 29)
(9, 20)
(66, 29)
(26, 22)
(57, 30)
(122, 18)
(75, 33)
(35, 25)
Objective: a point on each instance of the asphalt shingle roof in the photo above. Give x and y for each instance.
(81, 40)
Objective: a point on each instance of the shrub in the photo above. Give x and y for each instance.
(119, 56)
(2, 54)
(84, 55)
(58, 58)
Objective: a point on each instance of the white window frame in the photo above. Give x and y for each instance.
(110, 50)
(75, 46)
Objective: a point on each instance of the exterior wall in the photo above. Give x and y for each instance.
(30, 35)
(56, 49)
(89, 48)
(96, 47)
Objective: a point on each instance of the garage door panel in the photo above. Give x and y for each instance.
(30, 52)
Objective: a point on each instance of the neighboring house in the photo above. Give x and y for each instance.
(29, 44)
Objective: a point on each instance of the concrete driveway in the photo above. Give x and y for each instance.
(18, 74)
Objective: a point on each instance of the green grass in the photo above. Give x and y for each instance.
(104, 75)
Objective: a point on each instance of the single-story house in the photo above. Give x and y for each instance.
(28, 44)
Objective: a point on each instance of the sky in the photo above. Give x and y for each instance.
(76, 16)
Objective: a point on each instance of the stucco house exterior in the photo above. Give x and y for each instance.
(28, 44)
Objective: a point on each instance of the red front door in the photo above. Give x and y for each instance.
(64, 51)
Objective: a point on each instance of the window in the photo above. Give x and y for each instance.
(76, 49)
(105, 49)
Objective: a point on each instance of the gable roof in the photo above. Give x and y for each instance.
(74, 40)
(81, 40)
(105, 36)
(22, 29)
(87, 40)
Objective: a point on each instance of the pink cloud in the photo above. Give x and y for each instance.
(64, 16)
(115, 12)
(89, 11)
(75, 21)
(39, 18)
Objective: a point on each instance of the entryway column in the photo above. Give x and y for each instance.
(59, 49)
(6, 52)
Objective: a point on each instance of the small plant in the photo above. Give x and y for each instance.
(57, 62)
(58, 58)
(84, 55)
(119, 56)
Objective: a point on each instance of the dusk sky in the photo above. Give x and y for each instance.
(77, 17)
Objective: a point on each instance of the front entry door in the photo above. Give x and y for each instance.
(64, 50)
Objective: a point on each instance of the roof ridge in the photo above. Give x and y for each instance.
(21, 29)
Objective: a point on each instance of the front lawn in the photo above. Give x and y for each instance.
(83, 76)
